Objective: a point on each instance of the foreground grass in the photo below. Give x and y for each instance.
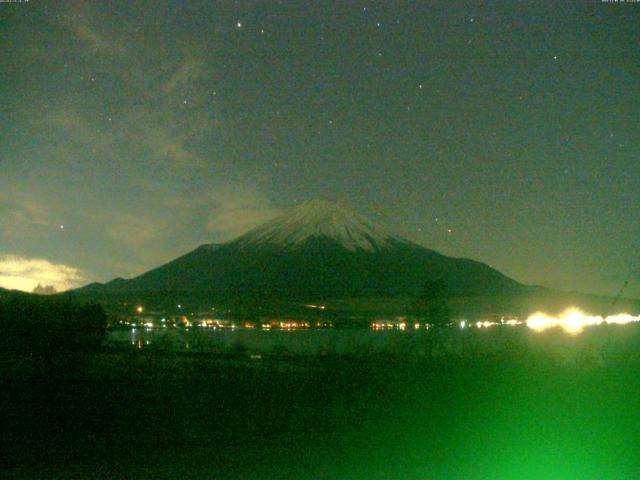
(510, 414)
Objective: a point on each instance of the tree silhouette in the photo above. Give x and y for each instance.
(431, 305)
(36, 324)
(44, 289)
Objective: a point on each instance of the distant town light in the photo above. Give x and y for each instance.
(321, 307)
(485, 324)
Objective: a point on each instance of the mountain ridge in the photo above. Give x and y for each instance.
(317, 250)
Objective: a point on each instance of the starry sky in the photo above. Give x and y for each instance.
(506, 132)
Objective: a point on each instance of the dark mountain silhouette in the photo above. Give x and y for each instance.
(5, 293)
(317, 250)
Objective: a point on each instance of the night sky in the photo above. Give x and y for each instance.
(506, 132)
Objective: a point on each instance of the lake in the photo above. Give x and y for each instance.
(595, 344)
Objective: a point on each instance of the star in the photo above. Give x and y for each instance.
(61, 227)
(239, 24)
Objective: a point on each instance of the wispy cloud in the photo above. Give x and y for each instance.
(165, 111)
(93, 40)
(184, 75)
(159, 130)
(22, 273)
(142, 237)
(79, 129)
(119, 144)
(231, 213)
(21, 212)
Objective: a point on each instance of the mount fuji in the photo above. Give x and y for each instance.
(317, 250)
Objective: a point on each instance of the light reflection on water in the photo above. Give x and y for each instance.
(301, 341)
(593, 342)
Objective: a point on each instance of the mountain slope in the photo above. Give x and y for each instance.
(319, 249)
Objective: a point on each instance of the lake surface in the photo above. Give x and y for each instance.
(302, 341)
(595, 343)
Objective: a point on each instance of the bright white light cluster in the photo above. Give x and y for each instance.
(509, 322)
(573, 320)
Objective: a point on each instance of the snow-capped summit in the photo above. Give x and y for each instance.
(320, 219)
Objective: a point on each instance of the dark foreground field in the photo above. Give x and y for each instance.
(515, 413)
